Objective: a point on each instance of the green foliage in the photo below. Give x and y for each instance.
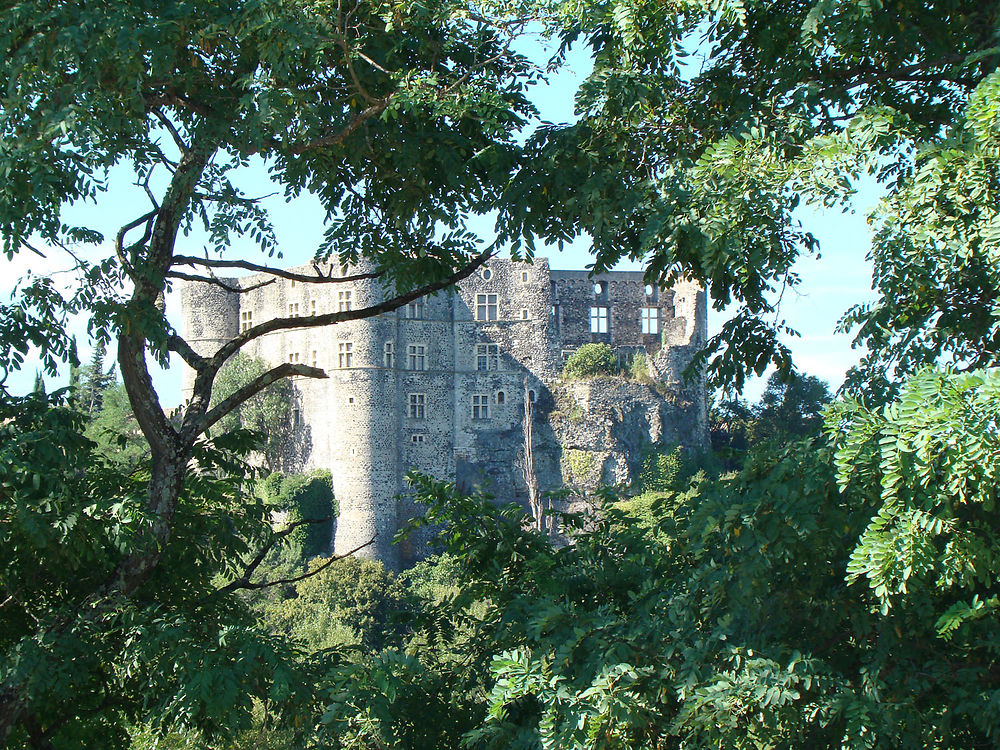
(95, 380)
(697, 162)
(638, 367)
(183, 653)
(730, 625)
(662, 469)
(591, 361)
(787, 411)
(933, 456)
(722, 617)
(304, 497)
(791, 410)
(268, 414)
(347, 603)
(400, 118)
(392, 701)
(581, 467)
(115, 430)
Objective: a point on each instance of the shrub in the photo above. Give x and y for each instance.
(304, 497)
(347, 603)
(662, 470)
(591, 361)
(638, 368)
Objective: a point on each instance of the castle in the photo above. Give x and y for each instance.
(440, 384)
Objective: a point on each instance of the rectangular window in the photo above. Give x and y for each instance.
(345, 355)
(487, 356)
(480, 406)
(414, 310)
(649, 319)
(524, 275)
(388, 355)
(344, 301)
(312, 307)
(598, 320)
(417, 406)
(293, 309)
(524, 313)
(315, 358)
(486, 307)
(293, 358)
(416, 355)
(416, 438)
(246, 320)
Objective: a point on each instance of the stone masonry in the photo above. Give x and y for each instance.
(439, 385)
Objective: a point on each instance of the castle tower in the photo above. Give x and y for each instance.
(365, 418)
(209, 318)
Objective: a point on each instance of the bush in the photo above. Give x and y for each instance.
(591, 361)
(662, 470)
(304, 497)
(638, 368)
(346, 603)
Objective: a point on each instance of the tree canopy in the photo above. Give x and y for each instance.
(840, 591)
(400, 117)
(704, 126)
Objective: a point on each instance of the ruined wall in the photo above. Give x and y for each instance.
(439, 386)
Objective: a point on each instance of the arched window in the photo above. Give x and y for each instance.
(532, 396)
(501, 398)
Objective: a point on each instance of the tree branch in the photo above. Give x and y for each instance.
(216, 281)
(146, 219)
(194, 360)
(334, 139)
(251, 389)
(199, 417)
(262, 553)
(315, 321)
(169, 126)
(296, 579)
(319, 278)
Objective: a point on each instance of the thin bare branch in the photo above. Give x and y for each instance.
(371, 62)
(262, 552)
(308, 574)
(314, 321)
(191, 430)
(145, 186)
(319, 278)
(233, 200)
(346, 49)
(194, 360)
(169, 126)
(333, 139)
(33, 249)
(213, 279)
(146, 219)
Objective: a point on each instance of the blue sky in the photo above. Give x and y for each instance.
(830, 284)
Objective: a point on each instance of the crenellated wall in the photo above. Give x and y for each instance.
(449, 399)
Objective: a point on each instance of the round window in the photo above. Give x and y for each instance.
(649, 290)
(487, 274)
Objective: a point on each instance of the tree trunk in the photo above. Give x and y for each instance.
(528, 464)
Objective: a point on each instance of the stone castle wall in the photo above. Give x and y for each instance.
(439, 386)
